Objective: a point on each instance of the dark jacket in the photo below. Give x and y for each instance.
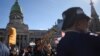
(79, 44)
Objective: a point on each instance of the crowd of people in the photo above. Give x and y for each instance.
(40, 49)
(77, 41)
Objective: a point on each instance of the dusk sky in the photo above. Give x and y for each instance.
(42, 14)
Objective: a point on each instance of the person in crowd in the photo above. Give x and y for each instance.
(14, 52)
(30, 50)
(21, 51)
(26, 52)
(4, 50)
(49, 50)
(78, 40)
(39, 49)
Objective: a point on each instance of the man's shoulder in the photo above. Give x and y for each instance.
(93, 35)
(70, 36)
(80, 35)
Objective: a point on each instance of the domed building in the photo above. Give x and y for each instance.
(24, 35)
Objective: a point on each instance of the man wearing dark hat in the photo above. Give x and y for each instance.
(78, 41)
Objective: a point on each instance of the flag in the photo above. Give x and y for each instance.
(12, 35)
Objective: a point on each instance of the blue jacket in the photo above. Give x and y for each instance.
(4, 51)
(79, 44)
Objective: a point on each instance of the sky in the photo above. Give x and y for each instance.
(43, 14)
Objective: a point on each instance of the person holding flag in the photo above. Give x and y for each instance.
(12, 40)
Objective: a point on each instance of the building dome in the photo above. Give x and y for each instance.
(16, 7)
